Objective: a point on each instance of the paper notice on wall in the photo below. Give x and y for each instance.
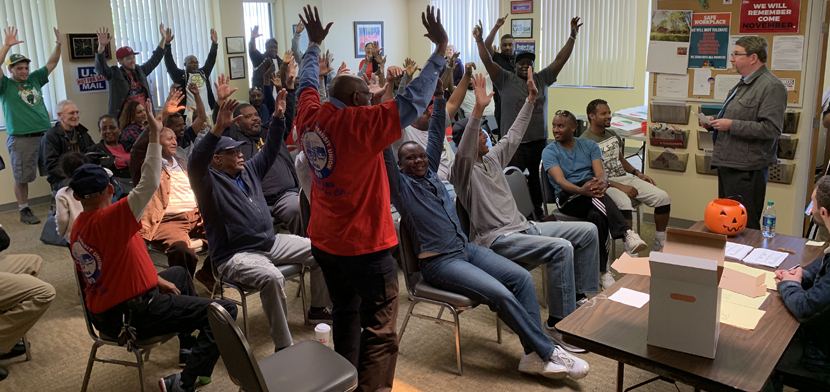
(724, 83)
(672, 86)
(789, 83)
(787, 52)
(701, 84)
(732, 40)
(668, 48)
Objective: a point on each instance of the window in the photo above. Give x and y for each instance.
(136, 24)
(258, 14)
(460, 16)
(604, 53)
(34, 20)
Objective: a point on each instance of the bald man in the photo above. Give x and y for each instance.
(193, 74)
(351, 229)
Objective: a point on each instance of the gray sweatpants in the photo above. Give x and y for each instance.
(258, 269)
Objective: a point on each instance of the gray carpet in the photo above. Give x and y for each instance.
(60, 343)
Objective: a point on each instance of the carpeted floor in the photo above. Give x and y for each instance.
(61, 345)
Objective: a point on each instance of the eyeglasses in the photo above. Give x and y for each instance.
(565, 112)
(740, 54)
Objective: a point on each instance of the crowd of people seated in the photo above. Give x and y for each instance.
(205, 165)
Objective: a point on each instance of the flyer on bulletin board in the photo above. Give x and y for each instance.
(770, 16)
(710, 40)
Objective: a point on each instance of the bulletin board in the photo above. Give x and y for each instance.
(793, 97)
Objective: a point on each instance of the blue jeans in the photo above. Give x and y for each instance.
(571, 252)
(483, 276)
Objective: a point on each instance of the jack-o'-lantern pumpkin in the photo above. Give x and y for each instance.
(725, 216)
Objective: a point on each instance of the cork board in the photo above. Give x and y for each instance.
(793, 97)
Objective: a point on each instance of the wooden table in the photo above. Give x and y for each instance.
(744, 359)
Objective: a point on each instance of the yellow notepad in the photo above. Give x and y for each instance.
(743, 300)
(739, 316)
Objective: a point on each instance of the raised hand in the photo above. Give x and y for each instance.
(255, 33)
(500, 21)
(274, 77)
(154, 123)
(300, 27)
(411, 66)
(11, 37)
(316, 32)
(435, 30)
(324, 67)
(480, 85)
(287, 56)
(167, 34)
(369, 55)
(171, 106)
(343, 69)
(575, 25)
(469, 67)
(193, 88)
(329, 58)
(104, 38)
(531, 85)
(439, 88)
(225, 117)
(214, 36)
(381, 62)
(393, 73)
(279, 106)
(477, 31)
(496, 49)
(292, 74)
(223, 90)
(58, 39)
(453, 58)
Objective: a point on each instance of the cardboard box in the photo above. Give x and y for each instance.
(684, 309)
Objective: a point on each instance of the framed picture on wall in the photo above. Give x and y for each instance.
(521, 28)
(235, 45)
(236, 65)
(364, 33)
(521, 7)
(85, 46)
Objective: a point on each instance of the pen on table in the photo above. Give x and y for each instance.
(793, 267)
(792, 252)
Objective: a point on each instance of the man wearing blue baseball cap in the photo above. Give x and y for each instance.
(121, 284)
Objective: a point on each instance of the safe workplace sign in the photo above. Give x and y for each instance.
(770, 16)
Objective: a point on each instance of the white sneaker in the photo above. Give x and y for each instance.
(577, 368)
(633, 243)
(606, 280)
(658, 244)
(582, 301)
(556, 337)
(533, 364)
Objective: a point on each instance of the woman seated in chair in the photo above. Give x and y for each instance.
(133, 120)
(450, 263)
(113, 153)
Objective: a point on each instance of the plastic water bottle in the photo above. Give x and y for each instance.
(769, 220)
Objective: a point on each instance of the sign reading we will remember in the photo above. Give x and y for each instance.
(710, 40)
(770, 16)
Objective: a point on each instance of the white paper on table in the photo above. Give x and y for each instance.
(630, 297)
(815, 243)
(737, 251)
(701, 82)
(787, 52)
(703, 118)
(663, 57)
(672, 86)
(724, 83)
(766, 257)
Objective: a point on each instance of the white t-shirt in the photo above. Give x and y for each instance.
(182, 198)
(203, 85)
(412, 134)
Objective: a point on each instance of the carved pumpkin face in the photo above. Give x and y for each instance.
(725, 216)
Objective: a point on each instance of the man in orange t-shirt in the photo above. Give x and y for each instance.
(351, 227)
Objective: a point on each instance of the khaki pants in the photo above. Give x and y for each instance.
(23, 297)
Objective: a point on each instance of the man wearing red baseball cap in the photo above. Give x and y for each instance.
(128, 82)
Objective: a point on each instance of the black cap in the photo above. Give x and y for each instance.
(458, 130)
(89, 180)
(526, 55)
(226, 143)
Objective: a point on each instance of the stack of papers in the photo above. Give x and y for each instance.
(766, 257)
(739, 316)
(625, 126)
(639, 113)
(769, 277)
(630, 297)
(737, 251)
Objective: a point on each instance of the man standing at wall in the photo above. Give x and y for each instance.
(747, 129)
(195, 75)
(26, 116)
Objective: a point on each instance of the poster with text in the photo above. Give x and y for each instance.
(770, 16)
(710, 40)
(525, 45)
(86, 80)
(668, 49)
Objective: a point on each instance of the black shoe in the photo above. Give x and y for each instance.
(173, 383)
(184, 356)
(16, 351)
(3, 373)
(321, 315)
(28, 217)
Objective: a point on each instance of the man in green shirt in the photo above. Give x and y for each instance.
(624, 188)
(26, 115)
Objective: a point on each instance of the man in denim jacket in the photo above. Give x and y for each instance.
(806, 293)
(748, 127)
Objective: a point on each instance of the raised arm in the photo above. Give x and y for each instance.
(143, 192)
(435, 141)
(492, 68)
(256, 56)
(393, 173)
(457, 97)
(158, 53)
(10, 40)
(101, 65)
(505, 148)
(295, 43)
(565, 53)
(210, 61)
(170, 63)
(55, 57)
(201, 113)
(198, 168)
(309, 76)
(262, 161)
(488, 42)
(467, 153)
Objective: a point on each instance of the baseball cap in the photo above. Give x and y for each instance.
(124, 52)
(226, 143)
(16, 58)
(524, 55)
(89, 180)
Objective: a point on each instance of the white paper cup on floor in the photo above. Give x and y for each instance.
(323, 332)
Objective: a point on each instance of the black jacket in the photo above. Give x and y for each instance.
(100, 155)
(178, 75)
(55, 143)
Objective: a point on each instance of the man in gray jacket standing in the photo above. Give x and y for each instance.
(748, 127)
(128, 82)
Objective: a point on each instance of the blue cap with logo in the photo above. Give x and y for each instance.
(226, 143)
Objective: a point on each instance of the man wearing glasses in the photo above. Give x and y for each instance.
(747, 128)
(193, 74)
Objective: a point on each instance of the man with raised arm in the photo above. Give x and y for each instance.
(451, 263)
(129, 81)
(26, 116)
(121, 284)
(513, 90)
(351, 229)
(271, 55)
(192, 74)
